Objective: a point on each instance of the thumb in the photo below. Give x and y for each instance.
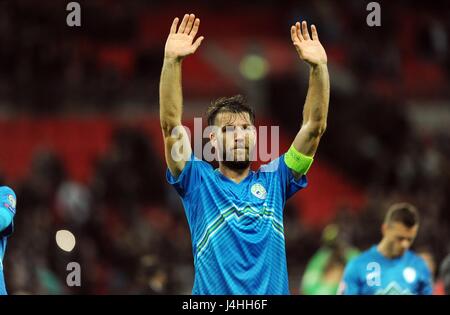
(198, 42)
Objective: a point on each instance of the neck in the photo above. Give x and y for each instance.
(383, 248)
(236, 175)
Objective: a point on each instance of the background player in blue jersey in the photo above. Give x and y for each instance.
(235, 215)
(390, 267)
(7, 212)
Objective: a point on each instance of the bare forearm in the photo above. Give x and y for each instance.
(315, 110)
(170, 94)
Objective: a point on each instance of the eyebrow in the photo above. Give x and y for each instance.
(235, 125)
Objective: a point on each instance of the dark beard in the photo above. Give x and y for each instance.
(236, 165)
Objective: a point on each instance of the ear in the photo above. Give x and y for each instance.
(212, 138)
(383, 229)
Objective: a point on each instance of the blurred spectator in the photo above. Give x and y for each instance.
(324, 270)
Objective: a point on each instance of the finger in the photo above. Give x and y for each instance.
(183, 24)
(188, 28)
(198, 42)
(315, 36)
(173, 28)
(298, 31)
(305, 31)
(294, 34)
(195, 28)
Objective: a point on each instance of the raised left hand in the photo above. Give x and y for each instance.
(308, 49)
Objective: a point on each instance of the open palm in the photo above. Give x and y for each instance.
(309, 49)
(180, 43)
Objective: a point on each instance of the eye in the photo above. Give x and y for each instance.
(228, 128)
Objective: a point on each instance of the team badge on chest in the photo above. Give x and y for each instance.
(259, 191)
(409, 274)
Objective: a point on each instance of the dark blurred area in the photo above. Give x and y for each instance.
(80, 156)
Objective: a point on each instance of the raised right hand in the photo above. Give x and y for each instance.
(180, 43)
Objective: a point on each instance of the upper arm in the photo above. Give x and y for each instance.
(426, 283)
(177, 148)
(307, 139)
(7, 207)
(350, 282)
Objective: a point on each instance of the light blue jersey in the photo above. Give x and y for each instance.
(7, 212)
(372, 273)
(237, 229)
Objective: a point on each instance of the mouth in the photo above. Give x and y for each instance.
(240, 150)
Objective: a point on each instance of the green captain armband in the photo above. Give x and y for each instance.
(297, 161)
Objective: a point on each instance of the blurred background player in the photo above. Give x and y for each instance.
(235, 214)
(7, 212)
(324, 270)
(390, 267)
(444, 276)
(426, 254)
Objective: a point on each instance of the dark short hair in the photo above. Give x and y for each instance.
(404, 213)
(234, 104)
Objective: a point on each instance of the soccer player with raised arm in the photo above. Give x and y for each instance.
(390, 267)
(235, 214)
(7, 212)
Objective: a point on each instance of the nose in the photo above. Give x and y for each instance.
(239, 142)
(239, 134)
(405, 244)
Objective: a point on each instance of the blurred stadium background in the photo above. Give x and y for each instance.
(82, 147)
